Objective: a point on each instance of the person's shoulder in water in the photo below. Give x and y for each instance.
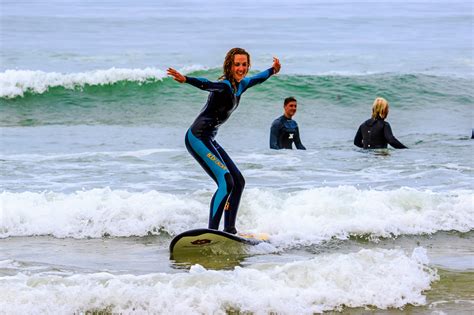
(376, 133)
(284, 130)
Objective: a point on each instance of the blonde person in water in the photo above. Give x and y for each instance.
(376, 133)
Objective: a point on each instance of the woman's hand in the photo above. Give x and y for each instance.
(176, 75)
(276, 65)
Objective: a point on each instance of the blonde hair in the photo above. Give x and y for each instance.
(229, 61)
(380, 108)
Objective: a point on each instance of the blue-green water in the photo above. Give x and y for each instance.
(96, 179)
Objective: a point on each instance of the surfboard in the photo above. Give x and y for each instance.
(207, 241)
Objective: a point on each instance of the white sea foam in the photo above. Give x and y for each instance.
(297, 218)
(313, 215)
(114, 154)
(97, 212)
(381, 278)
(15, 83)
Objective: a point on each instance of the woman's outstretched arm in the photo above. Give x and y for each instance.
(264, 75)
(201, 83)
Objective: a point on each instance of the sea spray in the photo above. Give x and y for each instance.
(380, 278)
(295, 218)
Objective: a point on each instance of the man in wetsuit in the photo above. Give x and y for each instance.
(376, 133)
(284, 131)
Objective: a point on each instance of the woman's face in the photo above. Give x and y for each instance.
(240, 67)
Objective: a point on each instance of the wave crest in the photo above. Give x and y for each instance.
(381, 278)
(14, 83)
(300, 218)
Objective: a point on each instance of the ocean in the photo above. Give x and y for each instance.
(96, 180)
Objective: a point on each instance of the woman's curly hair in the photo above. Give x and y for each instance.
(229, 61)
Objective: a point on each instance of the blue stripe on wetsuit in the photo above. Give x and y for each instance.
(203, 151)
(248, 82)
(221, 86)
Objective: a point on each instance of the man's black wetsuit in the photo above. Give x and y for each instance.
(284, 133)
(222, 101)
(375, 134)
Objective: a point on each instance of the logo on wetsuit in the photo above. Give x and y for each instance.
(290, 136)
(213, 158)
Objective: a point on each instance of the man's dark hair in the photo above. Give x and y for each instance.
(289, 99)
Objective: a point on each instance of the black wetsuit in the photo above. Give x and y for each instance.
(283, 133)
(222, 101)
(376, 134)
